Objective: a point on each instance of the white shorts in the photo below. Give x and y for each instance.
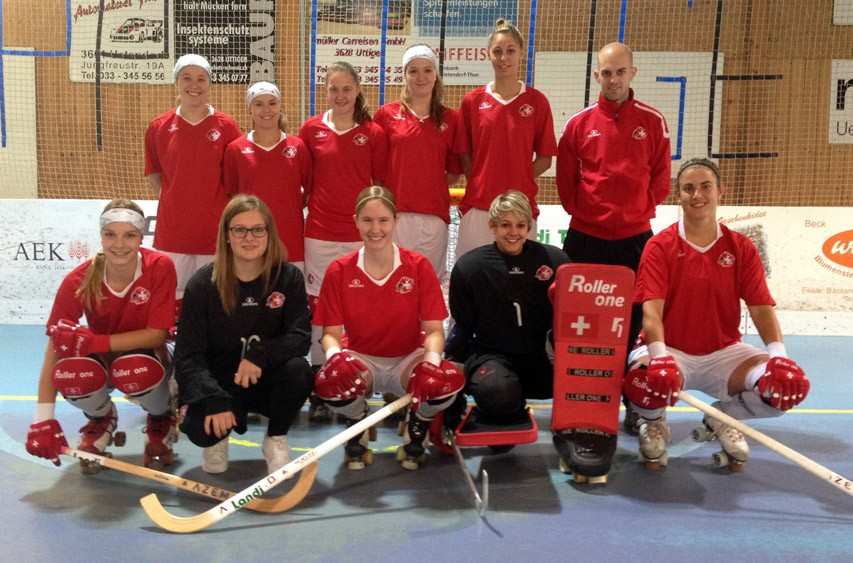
(709, 373)
(474, 231)
(185, 266)
(318, 255)
(425, 234)
(389, 375)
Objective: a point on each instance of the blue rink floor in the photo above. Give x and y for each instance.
(690, 512)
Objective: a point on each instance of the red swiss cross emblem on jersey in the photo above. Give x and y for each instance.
(726, 259)
(526, 110)
(275, 300)
(139, 296)
(289, 152)
(639, 133)
(214, 135)
(405, 285)
(360, 139)
(544, 273)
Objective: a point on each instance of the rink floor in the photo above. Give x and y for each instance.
(774, 511)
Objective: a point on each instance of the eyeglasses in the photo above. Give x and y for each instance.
(241, 232)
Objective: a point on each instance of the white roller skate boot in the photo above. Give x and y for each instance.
(735, 450)
(654, 437)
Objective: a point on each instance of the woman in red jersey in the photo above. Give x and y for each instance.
(275, 166)
(509, 139)
(184, 149)
(421, 163)
(393, 351)
(127, 294)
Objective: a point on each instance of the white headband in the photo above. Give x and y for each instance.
(419, 52)
(261, 88)
(191, 60)
(123, 215)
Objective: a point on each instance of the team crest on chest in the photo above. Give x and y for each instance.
(139, 296)
(356, 283)
(214, 135)
(526, 110)
(639, 133)
(275, 300)
(405, 285)
(289, 152)
(726, 259)
(544, 273)
(360, 139)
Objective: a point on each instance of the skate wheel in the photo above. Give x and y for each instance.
(119, 439)
(599, 480)
(736, 466)
(89, 467)
(720, 459)
(654, 465)
(501, 449)
(702, 434)
(371, 434)
(580, 479)
(368, 457)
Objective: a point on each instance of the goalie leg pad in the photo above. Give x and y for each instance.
(83, 382)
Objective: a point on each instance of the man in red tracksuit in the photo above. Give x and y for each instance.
(613, 169)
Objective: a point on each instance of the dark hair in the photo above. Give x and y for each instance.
(360, 113)
(707, 163)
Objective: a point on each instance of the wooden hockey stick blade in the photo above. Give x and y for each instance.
(268, 505)
(811, 466)
(187, 524)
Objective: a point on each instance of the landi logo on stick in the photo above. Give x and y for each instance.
(839, 248)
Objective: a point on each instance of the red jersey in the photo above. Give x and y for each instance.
(701, 290)
(148, 302)
(189, 160)
(613, 168)
(420, 153)
(502, 138)
(381, 320)
(278, 176)
(344, 164)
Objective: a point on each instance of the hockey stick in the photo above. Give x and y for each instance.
(159, 515)
(811, 466)
(268, 505)
(480, 502)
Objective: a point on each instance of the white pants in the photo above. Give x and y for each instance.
(474, 231)
(318, 255)
(427, 235)
(185, 266)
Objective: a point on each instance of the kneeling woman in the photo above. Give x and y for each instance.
(389, 302)
(243, 339)
(127, 295)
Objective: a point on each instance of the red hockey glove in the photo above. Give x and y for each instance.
(429, 382)
(46, 439)
(655, 386)
(70, 339)
(342, 377)
(784, 384)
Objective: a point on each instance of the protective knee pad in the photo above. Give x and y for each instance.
(142, 377)
(496, 389)
(79, 377)
(748, 404)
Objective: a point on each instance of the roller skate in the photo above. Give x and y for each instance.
(735, 450)
(654, 436)
(586, 454)
(318, 410)
(357, 453)
(160, 433)
(96, 435)
(412, 454)
(276, 452)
